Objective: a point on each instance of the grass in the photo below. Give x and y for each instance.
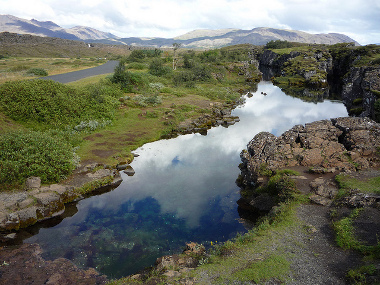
(346, 182)
(261, 255)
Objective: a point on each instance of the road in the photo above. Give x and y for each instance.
(108, 67)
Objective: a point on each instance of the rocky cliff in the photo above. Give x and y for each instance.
(353, 72)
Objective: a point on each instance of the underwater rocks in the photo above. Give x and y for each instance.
(37, 203)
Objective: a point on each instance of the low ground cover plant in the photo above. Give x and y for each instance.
(33, 153)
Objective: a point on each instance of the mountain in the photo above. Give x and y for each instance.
(204, 38)
(12, 24)
(218, 38)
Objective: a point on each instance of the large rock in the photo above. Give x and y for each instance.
(344, 144)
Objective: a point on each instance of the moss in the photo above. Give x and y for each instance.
(355, 111)
(357, 101)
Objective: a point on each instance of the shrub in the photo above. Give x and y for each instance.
(127, 80)
(186, 78)
(157, 68)
(37, 72)
(136, 55)
(24, 154)
(136, 65)
(56, 104)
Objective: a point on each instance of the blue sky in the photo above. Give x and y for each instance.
(359, 19)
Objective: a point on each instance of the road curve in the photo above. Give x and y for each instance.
(108, 67)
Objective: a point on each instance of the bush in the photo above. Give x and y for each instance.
(24, 154)
(56, 104)
(157, 68)
(128, 81)
(136, 65)
(37, 72)
(186, 78)
(136, 55)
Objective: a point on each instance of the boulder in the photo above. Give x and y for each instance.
(33, 183)
(49, 204)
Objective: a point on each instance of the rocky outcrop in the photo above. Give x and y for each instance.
(359, 90)
(338, 145)
(25, 265)
(172, 267)
(274, 60)
(312, 66)
(345, 144)
(220, 116)
(22, 209)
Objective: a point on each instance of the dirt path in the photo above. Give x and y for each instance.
(319, 260)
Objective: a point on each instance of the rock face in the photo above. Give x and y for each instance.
(361, 83)
(343, 144)
(313, 66)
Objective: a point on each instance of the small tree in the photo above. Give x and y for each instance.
(175, 47)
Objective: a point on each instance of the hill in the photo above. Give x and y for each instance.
(15, 45)
(202, 38)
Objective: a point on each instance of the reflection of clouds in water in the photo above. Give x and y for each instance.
(183, 174)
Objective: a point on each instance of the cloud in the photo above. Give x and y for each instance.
(170, 18)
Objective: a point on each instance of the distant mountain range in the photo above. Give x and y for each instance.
(34, 27)
(195, 39)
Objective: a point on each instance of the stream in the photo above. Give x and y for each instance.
(183, 190)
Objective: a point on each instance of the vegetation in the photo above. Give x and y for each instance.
(347, 183)
(143, 93)
(55, 104)
(24, 154)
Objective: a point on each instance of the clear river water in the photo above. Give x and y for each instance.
(183, 190)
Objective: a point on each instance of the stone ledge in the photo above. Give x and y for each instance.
(38, 203)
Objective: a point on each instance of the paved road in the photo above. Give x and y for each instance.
(108, 67)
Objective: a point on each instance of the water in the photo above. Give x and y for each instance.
(183, 190)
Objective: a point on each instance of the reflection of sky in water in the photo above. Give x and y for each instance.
(186, 180)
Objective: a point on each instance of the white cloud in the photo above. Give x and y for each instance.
(170, 18)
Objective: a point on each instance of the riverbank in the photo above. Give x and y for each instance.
(323, 231)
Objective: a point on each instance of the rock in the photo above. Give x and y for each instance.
(129, 171)
(324, 188)
(48, 204)
(175, 262)
(27, 266)
(193, 248)
(359, 200)
(320, 200)
(342, 143)
(100, 173)
(32, 183)
(27, 216)
(122, 166)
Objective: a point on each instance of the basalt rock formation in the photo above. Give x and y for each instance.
(341, 144)
(346, 144)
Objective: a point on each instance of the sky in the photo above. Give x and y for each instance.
(358, 19)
